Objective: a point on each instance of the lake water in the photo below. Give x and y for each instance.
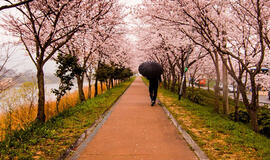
(49, 96)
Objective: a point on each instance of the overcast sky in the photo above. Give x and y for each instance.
(130, 2)
(19, 61)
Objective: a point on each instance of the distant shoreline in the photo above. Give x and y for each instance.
(49, 96)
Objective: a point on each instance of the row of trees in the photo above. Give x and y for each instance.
(68, 69)
(211, 38)
(108, 73)
(92, 31)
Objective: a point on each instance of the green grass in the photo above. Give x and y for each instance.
(50, 140)
(216, 134)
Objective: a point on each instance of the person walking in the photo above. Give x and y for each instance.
(153, 88)
(152, 71)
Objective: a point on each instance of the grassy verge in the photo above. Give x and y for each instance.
(217, 135)
(50, 140)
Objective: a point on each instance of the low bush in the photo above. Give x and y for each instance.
(263, 119)
(195, 97)
(201, 96)
(243, 116)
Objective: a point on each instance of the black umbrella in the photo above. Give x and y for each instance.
(150, 69)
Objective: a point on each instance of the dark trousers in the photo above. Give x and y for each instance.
(153, 88)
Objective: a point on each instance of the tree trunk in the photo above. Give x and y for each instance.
(225, 90)
(173, 82)
(164, 81)
(112, 83)
(179, 83)
(217, 93)
(89, 89)
(96, 87)
(236, 100)
(257, 95)
(254, 119)
(108, 84)
(169, 82)
(252, 110)
(101, 86)
(41, 95)
(57, 103)
(251, 106)
(185, 86)
(80, 87)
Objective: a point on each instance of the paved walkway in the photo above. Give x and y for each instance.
(137, 131)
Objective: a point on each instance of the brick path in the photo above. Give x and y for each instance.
(137, 131)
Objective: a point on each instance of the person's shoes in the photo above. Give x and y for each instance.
(153, 103)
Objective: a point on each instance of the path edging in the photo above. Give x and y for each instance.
(73, 151)
(199, 153)
(197, 150)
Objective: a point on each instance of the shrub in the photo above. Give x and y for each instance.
(200, 96)
(264, 121)
(194, 96)
(243, 116)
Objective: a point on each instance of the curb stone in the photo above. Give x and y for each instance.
(197, 150)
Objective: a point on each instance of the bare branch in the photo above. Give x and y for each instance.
(14, 5)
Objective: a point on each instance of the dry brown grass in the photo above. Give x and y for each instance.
(22, 116)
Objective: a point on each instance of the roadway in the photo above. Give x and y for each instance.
(263, 97)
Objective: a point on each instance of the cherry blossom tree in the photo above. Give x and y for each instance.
(230, 31)
(167, 13)
(89, 45)
(169, 47)
(235, 30)
(44, 27)
(248, 47)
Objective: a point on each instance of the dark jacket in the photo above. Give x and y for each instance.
(154, 81)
